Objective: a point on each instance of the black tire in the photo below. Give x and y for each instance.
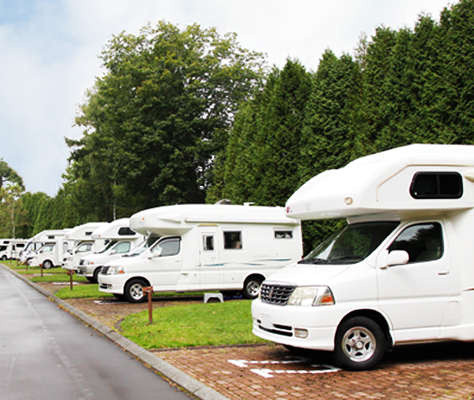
(4, 258)
(95, 278)
(252, 287)
(47, 264)
(134, 291)
(360, 344)
(90, 279)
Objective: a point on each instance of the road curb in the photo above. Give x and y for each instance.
(172, 373)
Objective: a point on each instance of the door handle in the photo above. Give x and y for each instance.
(443, 272)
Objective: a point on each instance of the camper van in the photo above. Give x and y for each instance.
(82, 243)
(10, 249)
(32, 245)
(401, 270)
(50, 254)
(120, 239)
(205, 247)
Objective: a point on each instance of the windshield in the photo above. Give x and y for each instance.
(107, 246)
(351, 244)
(142, 247)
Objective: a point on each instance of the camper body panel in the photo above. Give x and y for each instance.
(212, 250)
(420, 277)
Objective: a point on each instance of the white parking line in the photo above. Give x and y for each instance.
(269, 373)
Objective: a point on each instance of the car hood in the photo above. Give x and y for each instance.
(308, 274)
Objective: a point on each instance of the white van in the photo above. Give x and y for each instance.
(10, 249)
(83, 243)
(120, 239)
(400, 272)
(50, 254)
(32, 245)
(205, 247)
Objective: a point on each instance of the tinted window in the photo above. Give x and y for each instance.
(422, 242)
(436, 185)
(208, 242)
(125, 231)
(283, 234)
(232, 240)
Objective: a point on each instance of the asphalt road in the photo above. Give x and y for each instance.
(47, 354)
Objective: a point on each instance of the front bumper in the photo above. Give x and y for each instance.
(112, 283)
(280, 324)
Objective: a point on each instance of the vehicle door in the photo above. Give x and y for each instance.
(210, 270)
(415, 295)
(164, 263)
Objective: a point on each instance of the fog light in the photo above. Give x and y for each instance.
(301, 333)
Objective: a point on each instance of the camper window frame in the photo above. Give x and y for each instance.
(440, 194)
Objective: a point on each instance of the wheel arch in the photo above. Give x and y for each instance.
(376, 317)
(136, 277)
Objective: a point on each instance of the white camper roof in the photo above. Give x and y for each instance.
(118, 229)
(84, 231)
(380, 184)
(178, 219)
(50, 234)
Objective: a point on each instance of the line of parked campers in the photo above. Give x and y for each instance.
(194, 247)
(401, 271)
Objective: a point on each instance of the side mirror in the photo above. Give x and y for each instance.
(112, 252)
(395, 257)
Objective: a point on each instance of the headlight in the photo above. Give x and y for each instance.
(115, 270)
(89, 262)
(311, 296)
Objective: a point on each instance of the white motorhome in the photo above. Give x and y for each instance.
(50, 254)
(120, 239)
(10, 249)
(400, 272)
(205, 247)
(83, 243)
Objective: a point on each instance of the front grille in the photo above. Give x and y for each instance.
(276, 294)
(81, 270)
(104, 269)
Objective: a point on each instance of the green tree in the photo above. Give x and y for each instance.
(262, 157)
(155, 121)
(10, 175)
(11, 210)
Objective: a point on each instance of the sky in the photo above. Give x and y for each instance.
(50, 52)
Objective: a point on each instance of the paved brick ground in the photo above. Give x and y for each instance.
(441, 371)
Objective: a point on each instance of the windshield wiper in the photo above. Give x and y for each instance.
(345, 258)
(313, 260)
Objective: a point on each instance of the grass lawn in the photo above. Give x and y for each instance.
(206, 324)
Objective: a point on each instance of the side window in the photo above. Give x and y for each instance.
(283, 234)
(422, 242)
(122, 247)
(167, 248)
(84, 247)
(208, 242)
(436, 185)
(233, 240)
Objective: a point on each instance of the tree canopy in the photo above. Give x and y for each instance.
(154, 122)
